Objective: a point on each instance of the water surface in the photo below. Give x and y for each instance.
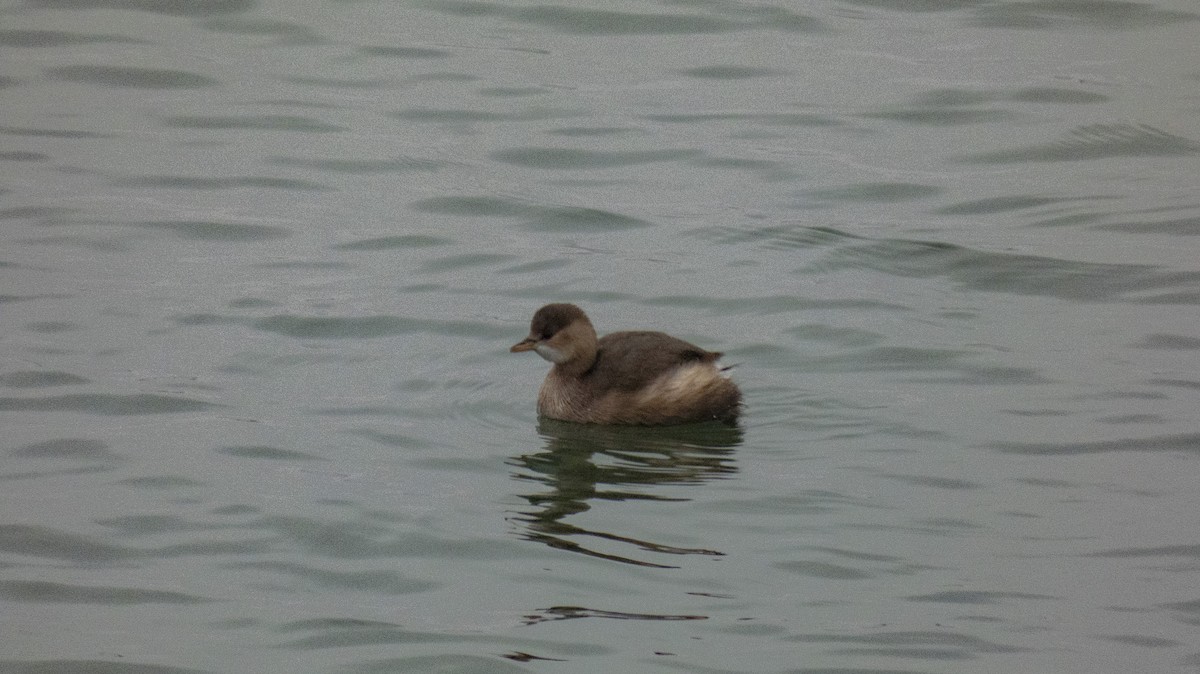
(262, 263)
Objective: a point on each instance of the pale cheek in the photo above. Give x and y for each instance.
(550, 353)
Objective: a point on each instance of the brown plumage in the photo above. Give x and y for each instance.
(639, 377)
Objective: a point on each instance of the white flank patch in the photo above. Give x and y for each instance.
(686, 382)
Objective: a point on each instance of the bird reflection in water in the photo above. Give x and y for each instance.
(581, 463)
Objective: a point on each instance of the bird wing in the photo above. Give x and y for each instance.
(630, 360)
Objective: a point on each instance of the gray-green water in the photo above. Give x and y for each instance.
(261, 263)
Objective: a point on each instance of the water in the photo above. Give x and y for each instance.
(262, 263)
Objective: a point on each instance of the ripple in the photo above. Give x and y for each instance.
(397, 241)
(976, 596)
(474, 408)
(37, 541)
(762, 305)
(957, 106)
(449, 115)
(891, 358)
(452, 395)
(589, 22)
(453, 263)
(771, 170)
(161, 482)
(1010, 273)
(990, 376)
(953, 97)
(39, 379)
(1168, 342)
(52, 133)
(149, 525)
(535, 218)
(199, 8)
(964, 644)
(43, 592)
(957, 97)
(367, 327)
(1184, 442)
(472, 115)
(1000, 204)
(1140, 641)
(487, 206)
(288, 33)
(452, 662)
(1132, 419)
(406, 52)
(571, 159)
(536, 266)
(313, 327)
(268, 453)
(67, 448)
(255, 122)
(446, 77)
(365, 539)
(1065, 14)
(918, 5)
(973, 269)
(217, 231)
(574, 21)
(1178, 383)
(206, 183)
(555, 613)
(943, 116)
(206, 319)
(361, 166)
(823, 570)
(106, 404)
(374, 582)
(90, 666)
(387, 439)
(1072, 219)
(1190, 607)
(779, 237)
(1191, 551)
(141, 78)
(1187, 226)
(30, 298)
(35, 212)
(340, 634)
(728, 72)
(877, 192)
(575, 219)
(333, 83)
(513, 92)
(1097, 141)
(847, 337)
(934, 482)
(798, 119)
(57, 38)
(20, 155)
(1057, 95)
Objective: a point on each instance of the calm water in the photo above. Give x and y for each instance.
(262, 263)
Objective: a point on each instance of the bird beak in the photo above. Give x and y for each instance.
(526, 344)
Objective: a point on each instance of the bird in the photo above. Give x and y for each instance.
(633, 378)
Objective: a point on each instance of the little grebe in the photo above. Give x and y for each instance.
(647, 378)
